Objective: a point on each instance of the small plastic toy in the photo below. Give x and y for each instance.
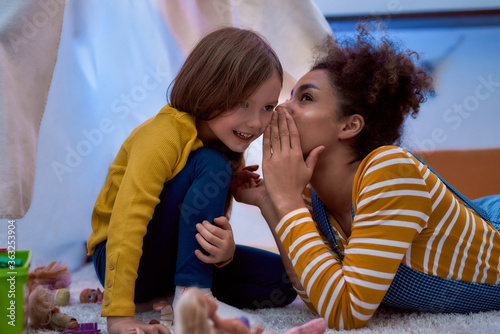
(91, 296)
(166, 312)
(85, 328)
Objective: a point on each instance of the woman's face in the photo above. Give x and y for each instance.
(313, 107)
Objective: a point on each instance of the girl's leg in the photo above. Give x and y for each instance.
(254, 279)
(204, 200)
(197, 193)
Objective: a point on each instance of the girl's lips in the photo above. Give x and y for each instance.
(244, 136)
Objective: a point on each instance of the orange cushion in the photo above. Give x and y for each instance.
(473, 172)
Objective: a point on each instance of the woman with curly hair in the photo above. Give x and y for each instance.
(360, 221)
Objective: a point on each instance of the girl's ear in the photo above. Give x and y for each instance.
(352, 125)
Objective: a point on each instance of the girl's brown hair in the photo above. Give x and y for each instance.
(222, 71)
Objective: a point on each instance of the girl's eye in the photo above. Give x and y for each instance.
(269, 108)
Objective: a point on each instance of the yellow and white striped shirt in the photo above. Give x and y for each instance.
(402, 213)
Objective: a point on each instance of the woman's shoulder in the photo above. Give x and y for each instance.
(387, 159)
(384, 153)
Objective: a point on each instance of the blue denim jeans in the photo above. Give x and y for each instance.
(254, 279)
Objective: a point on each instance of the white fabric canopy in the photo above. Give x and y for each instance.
(29, 40)
(115, 61)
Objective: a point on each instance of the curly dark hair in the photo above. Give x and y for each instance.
(377, 81)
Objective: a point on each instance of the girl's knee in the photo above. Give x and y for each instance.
(213, 164)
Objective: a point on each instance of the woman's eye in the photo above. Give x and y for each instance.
(306, 97)
(269, 108)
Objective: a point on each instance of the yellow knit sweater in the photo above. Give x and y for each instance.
(154, 153)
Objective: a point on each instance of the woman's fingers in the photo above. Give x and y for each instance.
(275, 134)
(294, 132)
(284, 133)
(266, 143)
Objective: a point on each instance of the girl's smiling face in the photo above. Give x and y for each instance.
(313, 106)
(238, 127)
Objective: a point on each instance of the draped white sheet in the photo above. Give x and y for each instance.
(29, 39)
(114, 64)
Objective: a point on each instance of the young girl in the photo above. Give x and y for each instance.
(386, 229)
(169, 183)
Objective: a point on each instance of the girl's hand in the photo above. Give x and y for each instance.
(218, 241)
(285, 171)
(244, 186)
(128, 325)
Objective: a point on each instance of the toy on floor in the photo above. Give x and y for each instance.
(43, 314)
(86, 328)
(194, 311)
(91, 296)
(55, 277)
(166, 313)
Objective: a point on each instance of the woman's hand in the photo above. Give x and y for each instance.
(285, 171)
(128, 325)
(218, 241)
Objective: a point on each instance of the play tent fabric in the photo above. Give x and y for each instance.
(115, 61)
(29, 40)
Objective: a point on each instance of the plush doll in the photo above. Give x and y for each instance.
(43, 314)
(91, 296)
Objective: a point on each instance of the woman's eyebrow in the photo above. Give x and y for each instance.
(304, 87)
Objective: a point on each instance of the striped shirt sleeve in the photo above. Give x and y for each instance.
(391, 207)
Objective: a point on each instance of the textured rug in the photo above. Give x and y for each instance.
(279, 320)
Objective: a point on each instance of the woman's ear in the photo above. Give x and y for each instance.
(352, 126)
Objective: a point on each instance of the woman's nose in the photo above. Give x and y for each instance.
(285, 106)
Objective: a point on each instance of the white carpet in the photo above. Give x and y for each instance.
(278, 320)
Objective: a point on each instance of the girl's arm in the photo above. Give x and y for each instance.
(151, 158)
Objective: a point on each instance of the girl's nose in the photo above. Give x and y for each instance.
(254, 122)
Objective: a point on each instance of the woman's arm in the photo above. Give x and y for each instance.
(345, 293)
(249, 189)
